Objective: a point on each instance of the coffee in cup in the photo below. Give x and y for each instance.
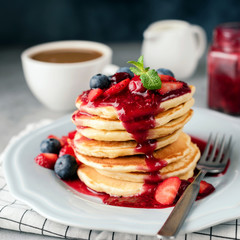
(66, 55)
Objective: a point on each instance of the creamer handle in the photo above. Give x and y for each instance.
(200, 38)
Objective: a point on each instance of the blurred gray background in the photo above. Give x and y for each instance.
(29, 22)
(118, 23)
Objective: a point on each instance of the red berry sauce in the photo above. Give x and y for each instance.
(137, 109)
(148, 147)
(137, 113)
(143, 200)
(146, 199)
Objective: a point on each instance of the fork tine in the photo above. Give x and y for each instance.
(219, 156)
(227, 154)
(212, 156)
(206, 150)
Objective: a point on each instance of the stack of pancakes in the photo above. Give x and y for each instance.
(110, 162)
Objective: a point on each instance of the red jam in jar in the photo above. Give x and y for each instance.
(224, 69)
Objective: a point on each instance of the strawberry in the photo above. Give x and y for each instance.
(67, 149)
(168, 86)
(167, 190)
(79, 98)
(205, 187)
(71, 135)
(166, 77)
(136, 78)
(64, 140)
(94, 94)
(59, 139)
(46, 160)
(136, 86)
(116, 88)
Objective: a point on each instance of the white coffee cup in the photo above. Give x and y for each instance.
(57, 85)
(174, 44)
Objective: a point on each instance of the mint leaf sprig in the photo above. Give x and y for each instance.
(149, 77)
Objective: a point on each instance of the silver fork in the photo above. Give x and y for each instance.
(213, 163)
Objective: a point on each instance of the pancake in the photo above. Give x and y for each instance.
(107, 124)
(113, 162)
(187, 175)
(179, 168)
(170, 153)
(101, 183)
(110, 112)
(97, 122)
(154, 133)
(113, 149)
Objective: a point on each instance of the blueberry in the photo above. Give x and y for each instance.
(50, 145)
(99, 81)
(127, 70)
(165, 71)
(66, 166)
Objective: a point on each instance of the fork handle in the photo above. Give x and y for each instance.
(178, 215)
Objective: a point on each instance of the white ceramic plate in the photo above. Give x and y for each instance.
(43, 191)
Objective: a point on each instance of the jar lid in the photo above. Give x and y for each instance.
(227, 36)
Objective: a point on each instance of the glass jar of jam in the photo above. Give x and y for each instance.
(224, 69)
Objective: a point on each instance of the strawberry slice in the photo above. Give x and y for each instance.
(166, 77)
(46, 160)
(117, 88)
(78, 99)
(205, 187)
(167, 190)
(136, 86)
(67, 149)
(71, 135)
(94, 94)
(64, 140)
(168, 86)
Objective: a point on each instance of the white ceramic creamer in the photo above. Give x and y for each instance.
(175, 45)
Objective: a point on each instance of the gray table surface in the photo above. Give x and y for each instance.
(18, 106)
